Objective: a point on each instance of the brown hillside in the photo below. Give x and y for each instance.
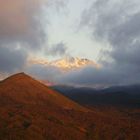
(30, 110)
(24, 89)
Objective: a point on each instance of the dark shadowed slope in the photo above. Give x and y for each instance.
(127, 96)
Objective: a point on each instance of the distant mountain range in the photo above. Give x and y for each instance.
(119, 95)
(67, 63)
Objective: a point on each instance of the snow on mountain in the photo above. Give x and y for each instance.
(67, 63)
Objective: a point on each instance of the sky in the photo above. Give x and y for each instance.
(104, 31)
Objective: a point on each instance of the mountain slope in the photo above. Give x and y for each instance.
(127, 96)
(24, 89)
(30, 110)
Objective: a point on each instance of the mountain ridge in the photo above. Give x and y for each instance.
(67, 63)
(21, 87)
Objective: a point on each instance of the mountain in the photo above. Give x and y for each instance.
(73, 63)
(128, 96)
(24, 89)
(82, 95)
(131, 89)
(67, 63)
(29, 110)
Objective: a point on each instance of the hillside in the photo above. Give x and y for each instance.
(24, 89)
(30, 110)
(125, 96)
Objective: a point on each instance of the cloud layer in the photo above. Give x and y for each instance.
(115, 23)
(21, 32)
(59, 49)
(12, 59)
(20, 22)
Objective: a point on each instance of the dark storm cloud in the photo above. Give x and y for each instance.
(42, 72)
(58, 49)
(12, 59)
(87, 76)
(106, 76)
(90, 76)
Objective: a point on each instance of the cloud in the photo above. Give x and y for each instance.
(106, 76)
(58, 49)
(112, 22)
(12, 60)
(20, 22)
(42, 72)
(58, 5)
(116, 23)
(23, 32)
(86, 76)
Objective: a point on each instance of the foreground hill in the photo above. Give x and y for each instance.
(24, 89)
(30, 110)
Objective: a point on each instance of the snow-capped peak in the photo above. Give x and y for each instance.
(72, 63)
(67, 63)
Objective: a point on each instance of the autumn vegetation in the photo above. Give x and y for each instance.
(30, 110)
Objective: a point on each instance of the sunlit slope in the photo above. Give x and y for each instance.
(24, 89)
